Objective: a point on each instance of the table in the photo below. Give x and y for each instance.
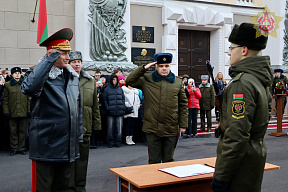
(144, 178)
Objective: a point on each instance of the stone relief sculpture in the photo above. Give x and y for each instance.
(107, 38)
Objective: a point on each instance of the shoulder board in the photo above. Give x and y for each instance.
(238, 76)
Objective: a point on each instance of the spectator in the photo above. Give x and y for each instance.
(193, 95)
(122, 81)
(185, 80)
(279, 86)
(221, 84)
(16, 107)
(118, 71)
(131, 100)
(166, 113)
(56, 124)
(91, 121)
(207, 102)
(114, 103)
(6, 75)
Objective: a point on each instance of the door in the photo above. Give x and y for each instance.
(193, 52)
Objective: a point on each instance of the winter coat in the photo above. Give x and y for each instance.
(113, 99)
(131, 100)
(90, 107)
(56, 118)
(207, 101)
(15, 103)
(166, 105)
(241, 151)
(194, 96)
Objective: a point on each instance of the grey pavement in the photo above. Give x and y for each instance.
(15, 171)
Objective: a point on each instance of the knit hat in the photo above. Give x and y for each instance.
(191, 80)
(245, 34)
(121, 77)
(204, 77)
(185, 76)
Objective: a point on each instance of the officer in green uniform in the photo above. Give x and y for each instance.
(16, 106)
(279, 86)
(166, 107)
(91, 120)
(241, 151)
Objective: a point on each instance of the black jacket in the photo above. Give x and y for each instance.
(56, 124)
(113, 99)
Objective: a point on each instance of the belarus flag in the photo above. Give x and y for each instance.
(42, 32)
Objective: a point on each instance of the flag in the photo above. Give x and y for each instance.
(42, 32)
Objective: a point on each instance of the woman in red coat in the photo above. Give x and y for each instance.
(193, 95)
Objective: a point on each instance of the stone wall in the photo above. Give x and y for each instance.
(18, 34)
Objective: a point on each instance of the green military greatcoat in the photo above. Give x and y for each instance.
(241, 151)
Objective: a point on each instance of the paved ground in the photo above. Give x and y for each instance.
(15, 172)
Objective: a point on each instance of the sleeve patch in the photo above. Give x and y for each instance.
(238, 108)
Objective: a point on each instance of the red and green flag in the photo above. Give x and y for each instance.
(42, 32)
(238, 96)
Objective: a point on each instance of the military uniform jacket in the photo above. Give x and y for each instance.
(208, 96)
(90, 107)
(56, 126)
(241, 151)
(166, 105)
(15, 103)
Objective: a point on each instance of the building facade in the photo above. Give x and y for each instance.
(192, 30)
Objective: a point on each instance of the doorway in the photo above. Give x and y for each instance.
(193, 52)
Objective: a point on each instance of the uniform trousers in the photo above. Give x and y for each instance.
(209, 119)
(160, 149)
(78, 172)
(50, 176)
(18, 128)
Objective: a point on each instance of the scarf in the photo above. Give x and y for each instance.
(170, 77)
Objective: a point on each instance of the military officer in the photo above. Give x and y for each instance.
(241, 151)
(166, 107)
(56, 119)
(91, 120)
(16, 106)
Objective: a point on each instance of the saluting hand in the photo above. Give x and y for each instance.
(149, 65)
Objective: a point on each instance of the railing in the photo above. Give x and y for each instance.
(244, 2)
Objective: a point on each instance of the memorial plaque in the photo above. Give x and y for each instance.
(142, 56)
(143, 34)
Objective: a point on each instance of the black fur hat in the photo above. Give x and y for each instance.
(163, 58)
(16, 69)
(278, 70)
(245, 34)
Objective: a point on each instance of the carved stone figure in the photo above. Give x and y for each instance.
(285, 51)
(108, 41)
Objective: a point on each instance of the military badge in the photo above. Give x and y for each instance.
(238, 108)
(164, 59)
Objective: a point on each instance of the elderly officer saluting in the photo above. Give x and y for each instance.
(241, 152)
(91, 120)
(166, 107)
(56, 122)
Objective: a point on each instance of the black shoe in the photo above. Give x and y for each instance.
(117, 145)
(22, 152)
(13, 152)
(202, 130)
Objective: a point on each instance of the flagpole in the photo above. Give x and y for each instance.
(33, 20)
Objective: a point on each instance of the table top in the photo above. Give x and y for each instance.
(144, 176)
